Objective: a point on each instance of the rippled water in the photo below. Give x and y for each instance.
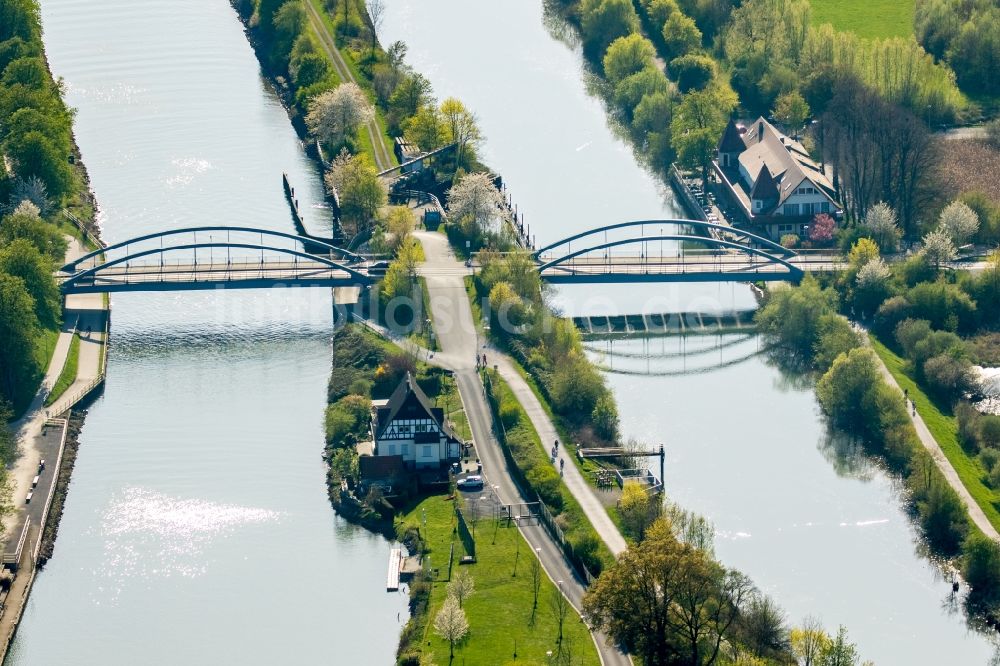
(197, 528)
(811, 520)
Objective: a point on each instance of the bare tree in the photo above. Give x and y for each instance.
(535, 572)
(451, 624)
(560, 609)
(376, 13)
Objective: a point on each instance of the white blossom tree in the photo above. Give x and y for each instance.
(461, 587)
(883, 225)
(959, 221)
(874, 274)
(451, 624)
(359, 189)
(475, 198)
(335, 115)
(938, 247)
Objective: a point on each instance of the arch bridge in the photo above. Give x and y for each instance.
(213, 257)
(688, 251)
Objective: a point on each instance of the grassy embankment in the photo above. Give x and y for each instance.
(942, 425)
(532, 458)
(351, 57)
(866, 18)
(68, 373)
(502, 620)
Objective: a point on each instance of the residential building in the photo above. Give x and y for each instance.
(771, 181)
(406, 425)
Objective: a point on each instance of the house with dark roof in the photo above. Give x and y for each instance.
(408, 427)
(771, 180)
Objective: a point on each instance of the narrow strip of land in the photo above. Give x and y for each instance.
(940, 459)
(383, 158)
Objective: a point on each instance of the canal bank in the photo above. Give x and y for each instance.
(199, 477)
(816, 525)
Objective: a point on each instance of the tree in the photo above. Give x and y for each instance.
(840, 651)
(692, 71)
(18, 329)
(881, 224)
(822, 228)
(289, 22)
(697, 125)
(535, 576)
(667, 601)
(35, 154)
(981, 568)
(360, 190)
(426, 128)
(22, 259)
(626, 56)
(462, 128)
(863, 251)
(475, 199)
(400, 222)
(309, 69)
(635, 509)
(847, 392)
(335, 115)
(681, 35)
(376, 13)
(605, 418)
(959, 221)
(604, 21)
(791, 110)
(939, 248)
(560, 609)
(809, 642)
(793, 315)
(461, 587)
(451, 624)
(874, 275)
(25, 223)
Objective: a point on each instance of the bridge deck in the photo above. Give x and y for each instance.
(210, 275)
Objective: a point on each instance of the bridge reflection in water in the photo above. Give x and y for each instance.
(672, 356)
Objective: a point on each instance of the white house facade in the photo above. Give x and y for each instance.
(406, 425)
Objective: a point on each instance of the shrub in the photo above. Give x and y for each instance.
(790, 241)
(981, 568)
(967, 419)
(944, 305)
(890, 314)
(692, 72)
(942, 516)
(836, 337)
(947, 376)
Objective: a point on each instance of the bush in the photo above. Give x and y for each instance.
(948, 377)
(836, 337)
(944, 305)
(981, 568)
(942, 516)
(692, 72)
(790, 241)
(967, 419)
(890, 314)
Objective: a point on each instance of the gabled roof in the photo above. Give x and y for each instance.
(787, 161)
(732, 141)
(764, 187)
(409, 401)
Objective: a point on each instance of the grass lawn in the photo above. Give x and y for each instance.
(500, 609)
(866, 18)
(942, 425)
(68, 373)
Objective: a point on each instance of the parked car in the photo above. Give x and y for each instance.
(474, 482)
(378, 268)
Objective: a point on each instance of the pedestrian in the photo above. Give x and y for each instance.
(562, 464)
(555, 447)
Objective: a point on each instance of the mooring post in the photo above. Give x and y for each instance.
(663, 457)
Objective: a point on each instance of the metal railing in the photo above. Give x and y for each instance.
(94, 240)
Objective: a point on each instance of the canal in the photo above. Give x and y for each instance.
(197, 528)
(815, 523)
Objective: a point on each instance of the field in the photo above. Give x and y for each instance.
(866, 18)
(501, 622)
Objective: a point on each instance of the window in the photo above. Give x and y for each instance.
(784, 228)
(825, 206)
(791, 209)
(428, 452)
(404, 429)
(757, 204)
(405, 449)
(390, 449)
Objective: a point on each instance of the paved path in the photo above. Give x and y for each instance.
(940, 459)
(457, 335)
(89, 311)
(382, 155)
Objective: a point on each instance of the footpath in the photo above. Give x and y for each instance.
(940, 459)
(41, 435)
(382, 155)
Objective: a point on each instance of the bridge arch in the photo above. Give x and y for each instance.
(94, 271)
(347, 254)
(794, 272)
(751, 237)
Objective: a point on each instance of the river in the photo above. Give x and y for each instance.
(814, 523)
(197, 528)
